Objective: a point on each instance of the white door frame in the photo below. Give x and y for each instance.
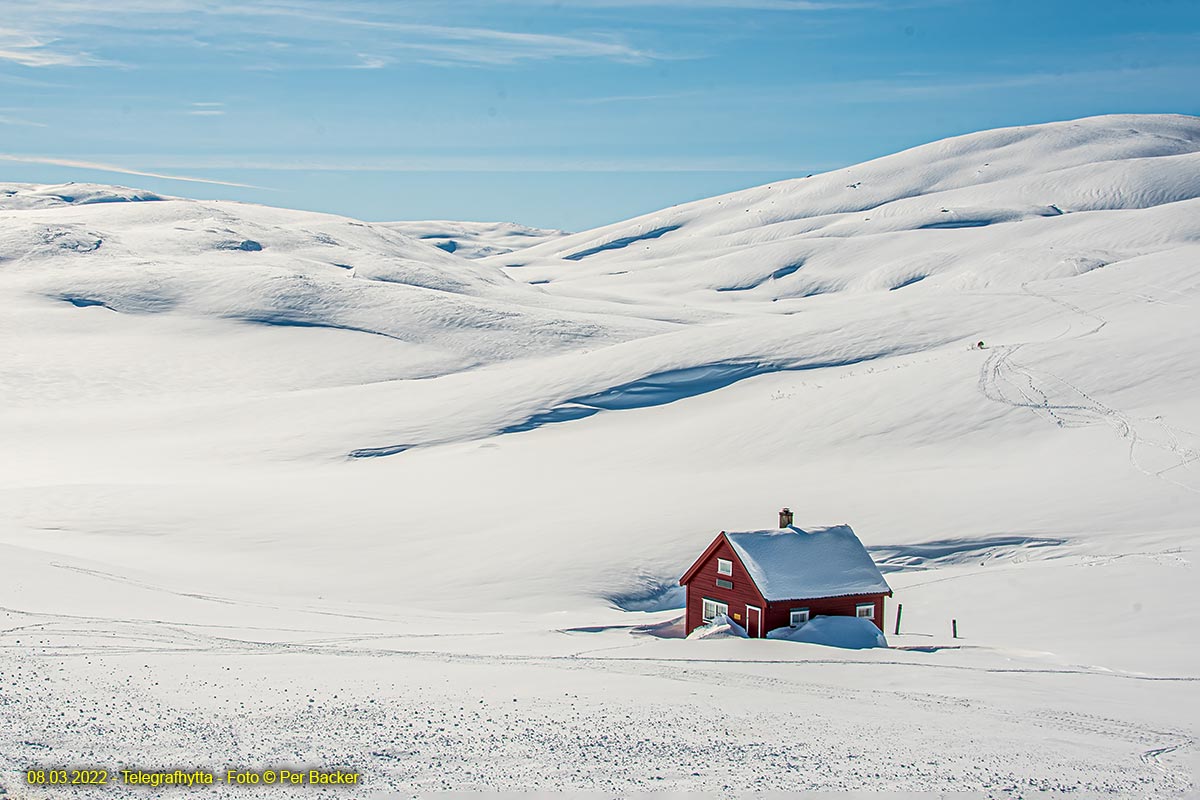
(758, 634)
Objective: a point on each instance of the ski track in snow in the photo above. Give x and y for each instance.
(1072, 407)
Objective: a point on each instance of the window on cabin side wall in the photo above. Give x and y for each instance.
(865, 611)
(712, 609)
(797, 617)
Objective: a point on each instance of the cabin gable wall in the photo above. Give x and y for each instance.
(703, 584)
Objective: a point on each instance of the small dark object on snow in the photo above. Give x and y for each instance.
(980, 345)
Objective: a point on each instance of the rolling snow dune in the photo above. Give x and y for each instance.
(281, 487)
(224, 267)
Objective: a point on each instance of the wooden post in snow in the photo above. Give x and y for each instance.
(899, 612)
(954, 627)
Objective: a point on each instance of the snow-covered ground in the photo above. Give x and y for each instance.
(287, 488)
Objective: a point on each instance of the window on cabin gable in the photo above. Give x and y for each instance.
(798, 617)
(724, 584)
(712, 609)
(724, 566)
(865, 611)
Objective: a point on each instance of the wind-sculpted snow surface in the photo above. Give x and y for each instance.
(212, 262)
(668, 387)
(621, 242)
(653, 390)
(282, 488)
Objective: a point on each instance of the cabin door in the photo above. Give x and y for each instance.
(754, 622)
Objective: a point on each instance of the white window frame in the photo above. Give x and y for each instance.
(798, 616)
(717, 607)
(724, 566)
(869, 608)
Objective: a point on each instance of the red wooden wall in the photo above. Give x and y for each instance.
(704, 584)
(778, 614)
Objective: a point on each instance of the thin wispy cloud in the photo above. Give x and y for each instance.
(917, 87)
(99, 167)
(17, 121)
(499, 52)
(747, 5)
(473, 163)
(473, 44)
(206, 110)
(30, 50)
(909, 88)
(305, 32)
(24, 81)
(633, 98)
(366, 61)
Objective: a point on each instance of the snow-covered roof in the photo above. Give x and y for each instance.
(794, 564)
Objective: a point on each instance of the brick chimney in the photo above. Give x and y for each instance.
(785, 517)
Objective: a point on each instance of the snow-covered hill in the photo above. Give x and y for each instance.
(349, 463)
(1001, 206)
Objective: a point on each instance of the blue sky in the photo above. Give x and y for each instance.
(562, 114)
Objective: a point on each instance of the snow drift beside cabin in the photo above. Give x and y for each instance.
(851, 633)
(721, 627)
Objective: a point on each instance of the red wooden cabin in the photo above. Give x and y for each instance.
(786, 576)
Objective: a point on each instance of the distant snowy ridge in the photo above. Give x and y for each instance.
(475, 239)
(35, 195)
